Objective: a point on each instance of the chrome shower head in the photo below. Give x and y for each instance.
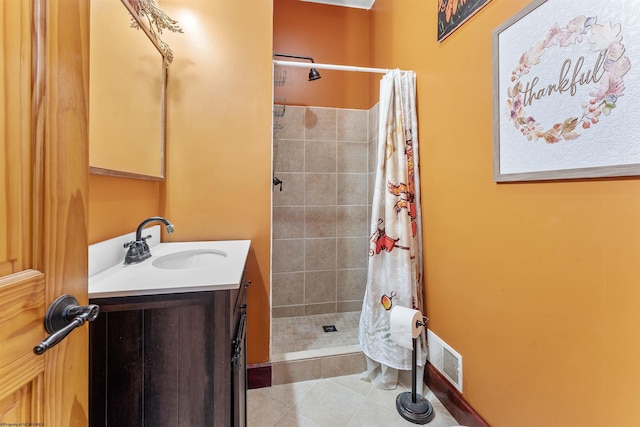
(314, 74)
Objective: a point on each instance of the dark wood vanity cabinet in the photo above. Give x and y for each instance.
(169, 360)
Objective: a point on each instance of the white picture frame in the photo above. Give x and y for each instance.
(566, 91)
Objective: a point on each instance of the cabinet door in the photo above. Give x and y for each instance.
(239, 363)
(239, 359)
(161, 361)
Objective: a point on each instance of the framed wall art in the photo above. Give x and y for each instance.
(566, 91)
(453, 13)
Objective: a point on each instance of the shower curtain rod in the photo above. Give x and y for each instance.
(330, 66)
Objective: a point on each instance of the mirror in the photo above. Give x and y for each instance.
(127, 94)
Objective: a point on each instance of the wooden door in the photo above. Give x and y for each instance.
(43, 202)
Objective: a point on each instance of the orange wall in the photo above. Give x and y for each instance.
(218, 184)
(117, 205)
(330, 35)
(535, 284)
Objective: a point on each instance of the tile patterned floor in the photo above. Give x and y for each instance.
(303, 333)
(343, 401)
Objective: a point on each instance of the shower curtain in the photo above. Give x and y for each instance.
(395, 264)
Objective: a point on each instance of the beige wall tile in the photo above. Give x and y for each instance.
(373, 121)
(288, 222)
(320, 254)
(287, 311)
(320, 156)
(320, 123)
(288, 155)
(351, 284)
(353, 252)
(352, 157)
(291, 125)
(371, 181)
(320, 221)
(288, 289)
(352, 125)
(322, 308)
(294, 371)
(320, 189)
(320, 286)
(344, 364)
(292, 189)
(288, 255)
(351, 221)
(352, 189)
(330, 200)
(348, 306)
(372, 155)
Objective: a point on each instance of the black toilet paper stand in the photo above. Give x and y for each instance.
(412, 406)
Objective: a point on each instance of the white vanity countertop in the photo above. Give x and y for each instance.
(223, 272)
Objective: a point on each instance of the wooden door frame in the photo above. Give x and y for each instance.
(60, 127)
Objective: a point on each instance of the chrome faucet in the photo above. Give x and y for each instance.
(139, 249)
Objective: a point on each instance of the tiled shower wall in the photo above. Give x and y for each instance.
(325, 159)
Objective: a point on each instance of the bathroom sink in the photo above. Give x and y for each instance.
(174, 267)
(194, 258)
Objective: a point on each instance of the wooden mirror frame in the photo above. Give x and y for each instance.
(167, 57)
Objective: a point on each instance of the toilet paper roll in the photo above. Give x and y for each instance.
(404, 326)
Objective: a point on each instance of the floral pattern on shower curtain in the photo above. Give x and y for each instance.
(395, 264)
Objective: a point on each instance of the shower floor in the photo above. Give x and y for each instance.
(306, 333)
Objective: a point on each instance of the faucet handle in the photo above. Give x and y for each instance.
(133, 242)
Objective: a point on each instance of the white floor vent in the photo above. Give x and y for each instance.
(445, 359)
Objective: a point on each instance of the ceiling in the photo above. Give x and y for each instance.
(359, 4)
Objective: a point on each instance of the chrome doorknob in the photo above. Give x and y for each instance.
(62, 317)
